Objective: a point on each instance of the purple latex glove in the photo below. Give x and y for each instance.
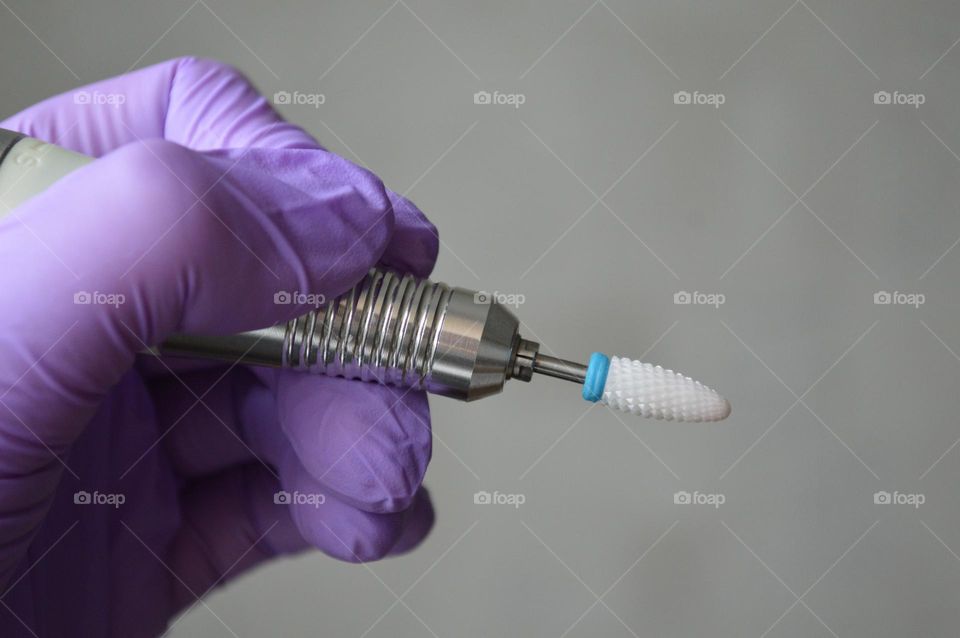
(202, 205)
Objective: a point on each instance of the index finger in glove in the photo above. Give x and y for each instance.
(198, 103)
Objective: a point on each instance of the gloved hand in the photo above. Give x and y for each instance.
(202, 206)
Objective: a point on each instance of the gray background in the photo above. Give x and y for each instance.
(599, 199)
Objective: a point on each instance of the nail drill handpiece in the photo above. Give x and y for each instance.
(402, 331)
(399, 330)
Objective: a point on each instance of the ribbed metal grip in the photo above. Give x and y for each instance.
(389, 328)
(386, 329)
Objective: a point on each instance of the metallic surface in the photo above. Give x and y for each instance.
(559, 368)
(396, 330)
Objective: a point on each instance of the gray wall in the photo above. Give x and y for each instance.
(598, 199)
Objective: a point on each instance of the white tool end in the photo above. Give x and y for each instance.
(652, 391)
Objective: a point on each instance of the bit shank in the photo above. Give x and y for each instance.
(559, 368)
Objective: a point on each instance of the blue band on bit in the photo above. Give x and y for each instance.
(596, 377)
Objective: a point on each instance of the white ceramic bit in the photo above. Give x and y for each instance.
(652, 391)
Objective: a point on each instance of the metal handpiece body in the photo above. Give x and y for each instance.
(390, 328)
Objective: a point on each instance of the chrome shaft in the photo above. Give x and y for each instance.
(559, 368)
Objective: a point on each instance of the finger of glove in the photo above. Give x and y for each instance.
(199, 103)
(415, 243)
(343, 531)
(215, 419)
(246, 427)
(367, 444)
(230, 524)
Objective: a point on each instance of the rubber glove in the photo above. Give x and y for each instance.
(129, 485)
